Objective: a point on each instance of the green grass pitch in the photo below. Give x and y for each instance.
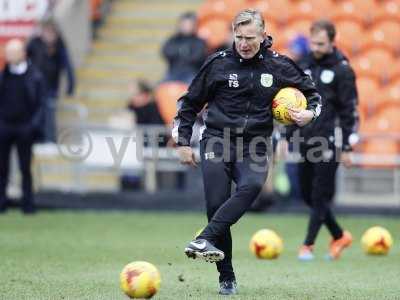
(69, 255)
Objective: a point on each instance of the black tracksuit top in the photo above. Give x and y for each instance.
(336, 83)
(237, 94)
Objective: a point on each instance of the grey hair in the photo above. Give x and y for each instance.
(249, 16)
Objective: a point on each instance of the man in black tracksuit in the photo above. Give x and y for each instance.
(236, 87)
(335, 81)
(22, 95)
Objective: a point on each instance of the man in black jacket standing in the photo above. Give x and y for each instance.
(236, 87)
(21, 106)
(49, 53)
(335, 81)
(184, 52)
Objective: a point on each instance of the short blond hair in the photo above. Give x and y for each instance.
(248, 16)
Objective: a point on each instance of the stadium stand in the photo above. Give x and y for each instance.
(273, 11)
(390, 95)
(124, 50)
(126, 47)
(367, 87)
(166, 95)
(215, 31)
(128, 42)
(347, 30)
(380, 153)
(310, 10)
(387, 10)
(372, 59)
(219, 9)
(359, 10)
(384, 34)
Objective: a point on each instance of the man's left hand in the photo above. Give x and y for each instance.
(301, 116)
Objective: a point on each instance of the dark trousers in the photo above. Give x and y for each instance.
(50, 123)
(245, 166)
(21, 137)
(317, 176)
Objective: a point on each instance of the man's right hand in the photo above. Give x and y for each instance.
(301, 116)
(186, 156)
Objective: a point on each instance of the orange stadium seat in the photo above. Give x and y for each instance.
(220, 8)
(373, 127)
(389, 97)
(386, 121)
(393, 71)
(372, 63)
(349, 34)
(397, 81)
(368, 91)
(293, 29)
(384, 34)
(311, 10)
(215, 31)
(273, 30)
(388, 10)
(166, 95)
(381, 133)
(381, 153)
(355, 10)
(273, 10)
(379, 58)
(391, 114)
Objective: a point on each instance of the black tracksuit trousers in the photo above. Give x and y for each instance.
(20, 137)
(317, 176)
(223, 163)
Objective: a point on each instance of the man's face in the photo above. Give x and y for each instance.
(15, 52)
(248, 39)
(320, 44)
(138, 98)
(49, 34)
(187, 26)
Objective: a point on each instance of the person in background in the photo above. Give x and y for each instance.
(145, 109)
(142, 103)
(336, 82)
(146, 113)
(22, 96)
(49, 53)
(184, 52)
(298, 48)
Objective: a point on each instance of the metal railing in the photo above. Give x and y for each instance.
(145, 149)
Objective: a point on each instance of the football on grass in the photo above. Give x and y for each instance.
(140, 279)
(266, 244)
(376, 240)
